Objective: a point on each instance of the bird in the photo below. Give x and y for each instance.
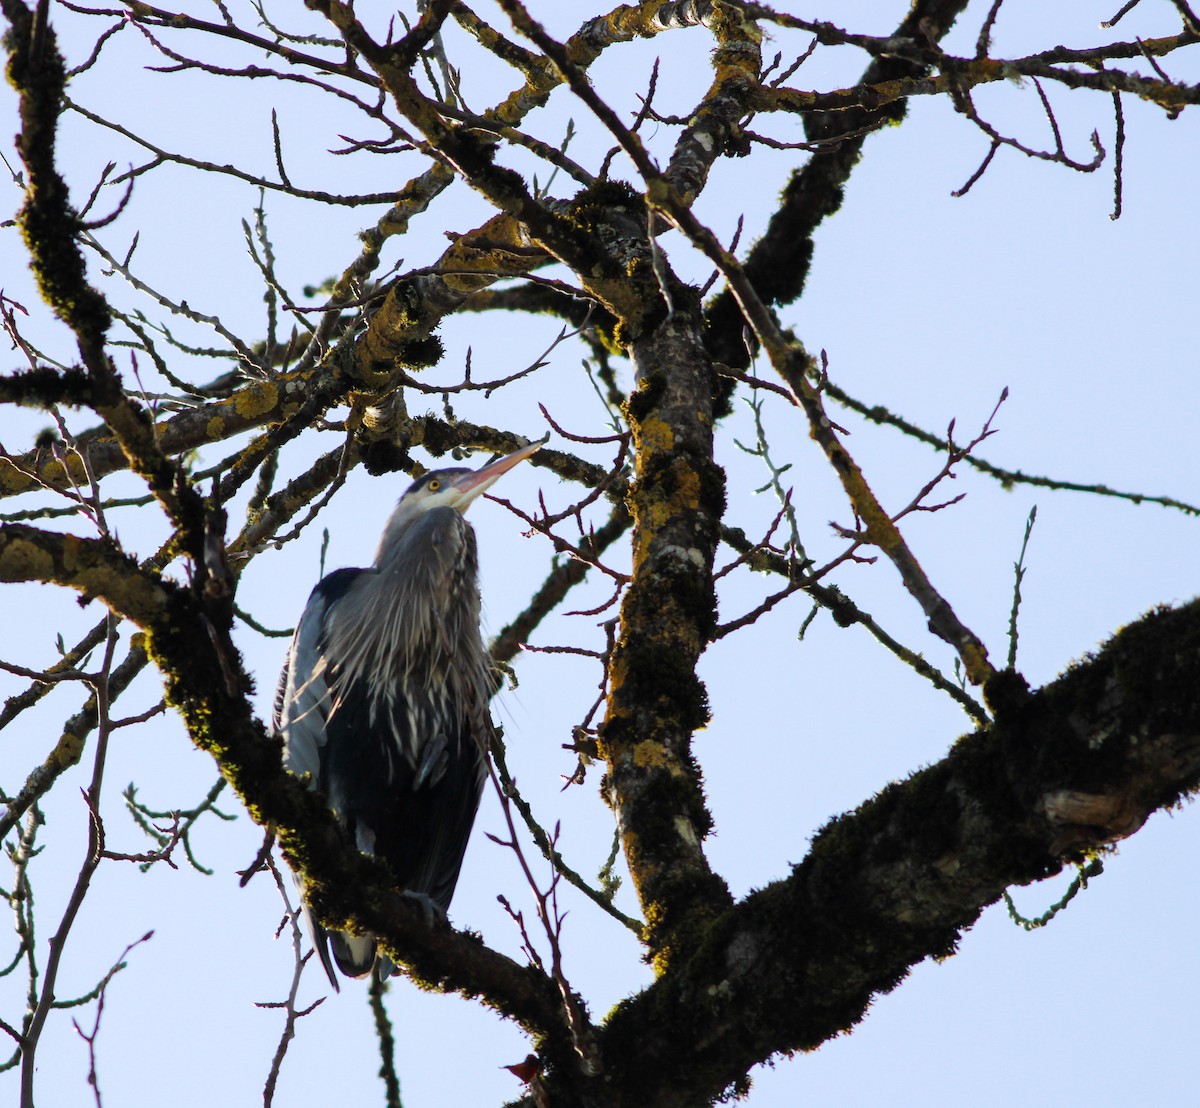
(382, 704)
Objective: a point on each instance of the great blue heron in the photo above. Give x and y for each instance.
(383, 699)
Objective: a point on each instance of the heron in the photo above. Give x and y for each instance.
(383, 699)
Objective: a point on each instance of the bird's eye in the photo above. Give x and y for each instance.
(434, 485)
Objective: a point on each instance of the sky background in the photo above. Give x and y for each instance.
(924, 303)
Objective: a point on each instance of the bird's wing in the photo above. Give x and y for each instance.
(303, 700)
(443, 861)
(302, 706)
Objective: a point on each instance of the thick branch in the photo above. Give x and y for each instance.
(93, 567)
(1081, 763)
(713, 129)
(779, 262)
(656, 702)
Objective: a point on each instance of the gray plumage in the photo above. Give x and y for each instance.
(383, 699)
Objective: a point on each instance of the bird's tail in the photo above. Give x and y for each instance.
(320, 943)
(354, 955)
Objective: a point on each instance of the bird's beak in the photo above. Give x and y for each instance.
(471, 485)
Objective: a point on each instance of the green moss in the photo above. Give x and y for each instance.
(43, 387)
(422, 353)
(380, 456)
(1005, 693)
(644, 399)
(593, 206)
(48, 224)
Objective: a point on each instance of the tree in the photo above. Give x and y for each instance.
(620, 212)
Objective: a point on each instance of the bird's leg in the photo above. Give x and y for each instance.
(430, 909)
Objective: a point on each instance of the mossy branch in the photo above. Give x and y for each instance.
(1081, 763)
(656, 702)
(96, 568)
(778, 264)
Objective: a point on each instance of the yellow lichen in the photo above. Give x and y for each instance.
(654, 513)
(687, 489)
(55, 472)
(655, 436)
(257, 399)
(653, 755)
(215, 428)
(67, 752)
(12, 479)
(650, 753)
(21, 560)
(74, 554)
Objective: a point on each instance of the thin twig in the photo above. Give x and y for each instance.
(1019, 576)
(291, 1013)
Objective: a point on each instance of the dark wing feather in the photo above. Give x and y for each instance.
(302, 706)
(416, 816)
(303, 699)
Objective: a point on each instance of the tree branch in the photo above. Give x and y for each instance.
(1063, 772)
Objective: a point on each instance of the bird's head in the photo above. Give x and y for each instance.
(457, 487)
(406, 538)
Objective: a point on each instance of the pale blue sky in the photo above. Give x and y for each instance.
(927, 304)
